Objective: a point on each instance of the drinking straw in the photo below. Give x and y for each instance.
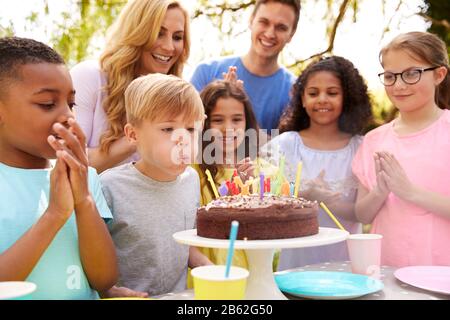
(297, 179)
(324, 207)
(233, 235)
(211, 181)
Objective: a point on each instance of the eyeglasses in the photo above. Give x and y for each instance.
(411, 76)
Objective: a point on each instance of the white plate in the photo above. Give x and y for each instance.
(15, 289)
(324, 237)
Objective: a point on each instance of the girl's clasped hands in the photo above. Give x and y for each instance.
(391, 176)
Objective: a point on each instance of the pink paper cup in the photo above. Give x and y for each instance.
(364, 251)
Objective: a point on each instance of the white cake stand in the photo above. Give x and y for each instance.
(261, 283)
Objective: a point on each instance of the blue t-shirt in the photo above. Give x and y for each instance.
(269, 95)
(24, 197)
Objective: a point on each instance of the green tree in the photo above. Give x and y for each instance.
(79, 34)
(80, 30)
(438, 13)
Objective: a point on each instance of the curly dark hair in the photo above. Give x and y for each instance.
(16, 52)
(357, 111)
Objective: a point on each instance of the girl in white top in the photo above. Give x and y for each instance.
(329, 108)
(148, 37)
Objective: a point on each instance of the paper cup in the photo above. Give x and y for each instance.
(364, 251)
(210, 283)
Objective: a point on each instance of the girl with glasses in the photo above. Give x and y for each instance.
(402, 166)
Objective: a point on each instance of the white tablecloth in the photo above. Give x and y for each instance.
(393, 289)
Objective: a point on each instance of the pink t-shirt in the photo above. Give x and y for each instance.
(89, 81)
(411, 235)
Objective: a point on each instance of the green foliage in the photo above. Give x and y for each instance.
(383, 110)
(7, 31)
(438, 12)
(80, 30)
(74, 38)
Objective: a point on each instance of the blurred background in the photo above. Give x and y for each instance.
(354, 29)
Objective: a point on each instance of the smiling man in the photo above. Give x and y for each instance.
(272, 25)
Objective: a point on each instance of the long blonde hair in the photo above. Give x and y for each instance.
(136, 28)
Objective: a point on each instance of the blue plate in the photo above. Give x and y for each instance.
(327, 285)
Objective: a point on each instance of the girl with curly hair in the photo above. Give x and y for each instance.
(150, 36)
(329, 110)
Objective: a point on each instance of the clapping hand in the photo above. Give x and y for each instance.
(231, 77)
(381, 189)
(393, 176)
(318, 189)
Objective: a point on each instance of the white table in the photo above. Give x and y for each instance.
(393, 289)
(261, 282)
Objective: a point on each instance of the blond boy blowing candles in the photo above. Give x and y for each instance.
(158, 195)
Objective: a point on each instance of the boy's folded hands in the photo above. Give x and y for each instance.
(70, 147)
(61, 198)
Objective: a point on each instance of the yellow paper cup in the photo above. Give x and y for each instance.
(210, 283)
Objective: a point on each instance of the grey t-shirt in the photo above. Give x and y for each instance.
(146, 215)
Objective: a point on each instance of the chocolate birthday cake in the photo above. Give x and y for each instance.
(273, 217)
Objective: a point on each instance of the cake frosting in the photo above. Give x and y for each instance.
(273, 217)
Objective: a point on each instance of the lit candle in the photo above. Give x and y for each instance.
(297, 179)
(234, 189)
(267, 185)
(280, 176)
(292, 186)
(223, 189)
(261, 186)
(255, 186)
(285, 190)
(211, 181)
(245, 189)
(237, 180)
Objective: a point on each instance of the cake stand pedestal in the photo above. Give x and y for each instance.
(261, 283)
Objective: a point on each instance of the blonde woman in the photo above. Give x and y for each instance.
(150, 36)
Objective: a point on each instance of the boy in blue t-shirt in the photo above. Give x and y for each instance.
(51, 227)
(272, 24)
